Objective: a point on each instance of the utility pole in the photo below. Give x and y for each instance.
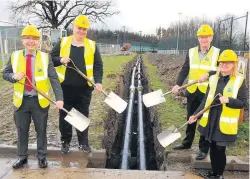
(140, 41)
(124, 27)
(177, 45)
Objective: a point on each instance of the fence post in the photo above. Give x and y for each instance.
(245, 35)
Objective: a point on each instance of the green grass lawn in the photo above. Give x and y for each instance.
(171, 112)
(113, 68)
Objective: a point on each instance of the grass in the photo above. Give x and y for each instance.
(171, 112)
(113, 67)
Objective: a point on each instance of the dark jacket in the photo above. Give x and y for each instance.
(72, 78)
(212, 131)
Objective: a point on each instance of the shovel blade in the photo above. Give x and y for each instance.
(77, 119)
(167, 137)
(115, 102)
(153, 98)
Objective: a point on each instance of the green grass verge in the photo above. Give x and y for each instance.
(113, 67)
(171, 113)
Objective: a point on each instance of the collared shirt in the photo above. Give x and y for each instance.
(203, 54)
(32, 92)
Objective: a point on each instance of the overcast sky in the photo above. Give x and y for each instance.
(145, 16)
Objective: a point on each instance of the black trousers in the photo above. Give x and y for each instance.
(78, 98)
(30, 109)
(218, 158)
(193, 102)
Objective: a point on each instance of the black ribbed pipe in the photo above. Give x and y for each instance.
(140, 129)
(126, 154)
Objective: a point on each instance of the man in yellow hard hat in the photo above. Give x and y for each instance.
(77, 91)
(200, 61)
(26, 68)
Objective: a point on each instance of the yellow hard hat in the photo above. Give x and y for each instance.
(81, 21)
(30, 30)
(205, 30)
(228, 56)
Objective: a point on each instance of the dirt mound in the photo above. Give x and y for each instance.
(169, 67)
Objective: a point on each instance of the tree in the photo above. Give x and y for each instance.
(54, 14)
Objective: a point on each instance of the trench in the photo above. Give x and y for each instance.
(115, 126)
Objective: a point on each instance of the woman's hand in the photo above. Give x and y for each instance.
(224, 100)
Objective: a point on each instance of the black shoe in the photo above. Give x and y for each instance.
(210, 174)
(215, 177)
(42, 163)
(85, 148)
(180, 147)
(65, 148)
(200, 155)
(20, 163)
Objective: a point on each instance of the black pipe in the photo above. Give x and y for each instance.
(126, 154)
(141, 140)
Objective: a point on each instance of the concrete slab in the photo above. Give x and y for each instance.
(174, 157)
(97, 159)
(233, 163)
(90, 173)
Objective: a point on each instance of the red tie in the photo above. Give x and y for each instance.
(28, 72)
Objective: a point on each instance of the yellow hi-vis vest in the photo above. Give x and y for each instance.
(229, 117)
(200, 67)
(89, 51)
(18, 63)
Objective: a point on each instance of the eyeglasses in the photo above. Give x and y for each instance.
(30, 38)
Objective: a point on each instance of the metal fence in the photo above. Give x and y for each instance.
(232, 33)
(109, 49)
(9, 41)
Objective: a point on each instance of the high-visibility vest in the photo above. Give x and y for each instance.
(229, 117)
(200, 67)
(89, 51)
(42, 82)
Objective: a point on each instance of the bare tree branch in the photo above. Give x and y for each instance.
(55, 14)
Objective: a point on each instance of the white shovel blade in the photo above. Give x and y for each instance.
(168, 137)
(77, 119)
(115, 102)
(153, 98)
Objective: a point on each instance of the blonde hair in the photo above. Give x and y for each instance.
(233, 72)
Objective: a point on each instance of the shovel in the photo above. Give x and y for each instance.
(74, 117)
(172, 134)
(157, 97)
(113, 100)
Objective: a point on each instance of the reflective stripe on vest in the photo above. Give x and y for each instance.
(200, 67)
(18, 63)
(229, 117)
(89, 51)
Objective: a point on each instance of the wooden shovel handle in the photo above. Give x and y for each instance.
(41, 93)
(85, 77)
(207, 108)
(189, 84)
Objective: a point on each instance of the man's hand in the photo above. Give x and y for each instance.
(203, 78)
(65, 60)
(224, 100)
(59, 105)
(175, 89)
(98, 87)
(191, 120)
(18, 76)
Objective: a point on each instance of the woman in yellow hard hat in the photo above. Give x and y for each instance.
(30, 66)
(219, 125)
(77, 92)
